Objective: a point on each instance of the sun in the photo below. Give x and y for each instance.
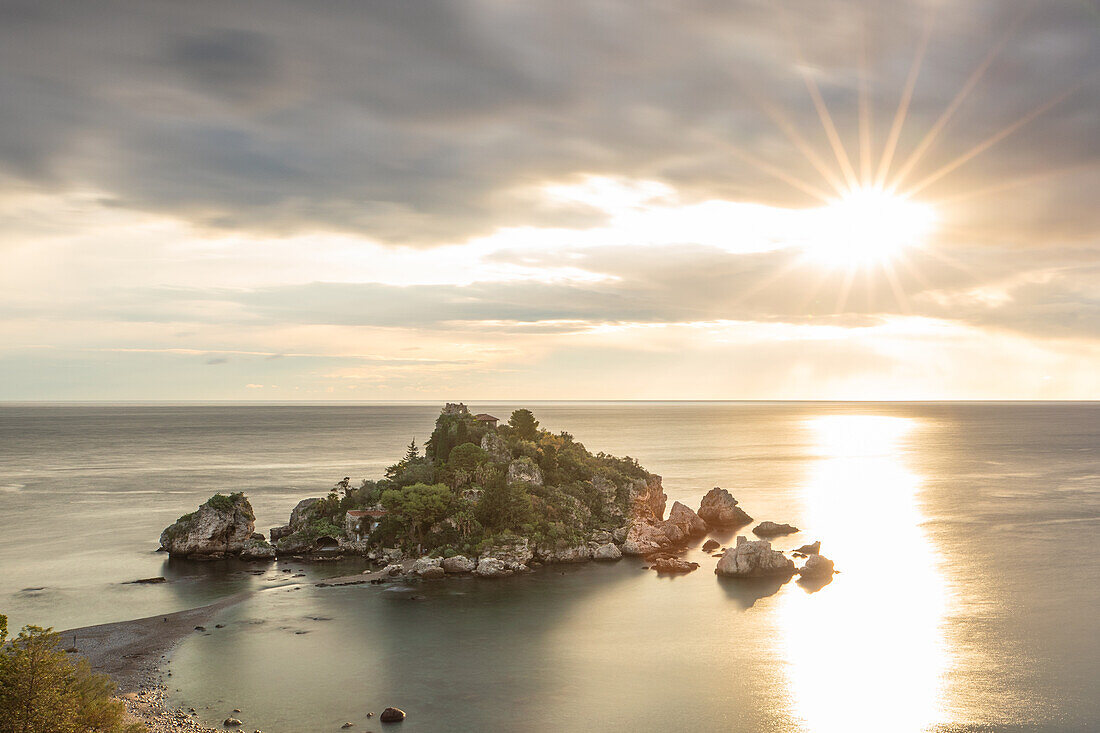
(867, 226)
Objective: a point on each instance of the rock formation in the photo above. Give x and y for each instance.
(299, 517)
(690, 524)
(754, 559)
(458, 564)
(710, 545)
(817, 566)
(809, 549)
(524, 471)
(563, 553)
(673, 565)
(607, 551)
(222, 526)
(771, 529)
(719, 509)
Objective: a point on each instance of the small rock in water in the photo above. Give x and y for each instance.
(392, 715)
(200, 628)
(236, 710)
(771, 529)
(231, 722)
(810, 549)
(219, 626)
(349, 724)
(147, 581)
(710, 545)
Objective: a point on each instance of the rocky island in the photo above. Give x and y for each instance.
(493, 500)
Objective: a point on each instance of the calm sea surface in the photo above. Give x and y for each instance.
(966, 535)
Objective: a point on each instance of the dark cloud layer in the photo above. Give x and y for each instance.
(416, 122)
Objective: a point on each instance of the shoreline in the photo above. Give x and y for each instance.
(131, 652)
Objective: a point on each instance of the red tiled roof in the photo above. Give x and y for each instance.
(485, 417)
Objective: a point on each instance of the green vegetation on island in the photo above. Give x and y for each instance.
(477, 484)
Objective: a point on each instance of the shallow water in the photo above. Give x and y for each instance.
(964, 602)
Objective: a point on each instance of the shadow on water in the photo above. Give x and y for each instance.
(813, 585)
(747, 591)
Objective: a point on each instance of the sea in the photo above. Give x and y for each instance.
(965, 536)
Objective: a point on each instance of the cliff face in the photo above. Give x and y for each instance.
(222, 526)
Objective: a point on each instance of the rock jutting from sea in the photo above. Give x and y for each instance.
(221, 527)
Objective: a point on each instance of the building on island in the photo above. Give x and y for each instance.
(486, 419)
(360, 523)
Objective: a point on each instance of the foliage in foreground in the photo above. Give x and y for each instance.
(43, 691)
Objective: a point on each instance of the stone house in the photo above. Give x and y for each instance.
(360, 523)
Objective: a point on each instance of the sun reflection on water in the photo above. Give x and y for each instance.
(867, 651)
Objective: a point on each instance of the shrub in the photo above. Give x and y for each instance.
(42, 691)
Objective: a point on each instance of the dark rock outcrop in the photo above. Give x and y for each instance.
(710, 545)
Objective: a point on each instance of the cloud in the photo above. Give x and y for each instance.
(419, 123)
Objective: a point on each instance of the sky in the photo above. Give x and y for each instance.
(483, 199)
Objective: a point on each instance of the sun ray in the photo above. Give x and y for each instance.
(779, 173)
(967, 87)
(896, 286)
(1015, 183)
(994, 139)
(845, 289)
(903, 104)
(783, 122)
(830, 128)
(864, 112)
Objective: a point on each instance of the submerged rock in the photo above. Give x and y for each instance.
(754, 559)
(221, 526)
(771, 529)
(719, 509)
(458, 564)
(817, 566)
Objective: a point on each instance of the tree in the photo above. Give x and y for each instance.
(412, 453)
(524, 424)
(504, 507)
(42, 691)
(343, 485)
(467, 457)
(418, 507)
